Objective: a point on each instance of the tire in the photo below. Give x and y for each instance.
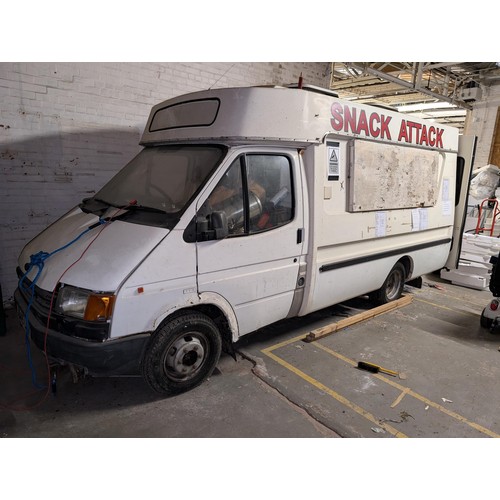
(181, 354)
(392, 287)
(486, 322)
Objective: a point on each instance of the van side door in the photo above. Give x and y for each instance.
(258, 196)
(465, 160)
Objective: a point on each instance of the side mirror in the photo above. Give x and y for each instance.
(218, 223)
(212, 227)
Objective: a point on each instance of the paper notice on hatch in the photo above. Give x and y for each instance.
(419, 219)
(446, 189)
(380, 223)
(415, 220)
(424, 218)
(446, 207)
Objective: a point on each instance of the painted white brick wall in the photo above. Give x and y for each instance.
(481, 123)
(66, 128)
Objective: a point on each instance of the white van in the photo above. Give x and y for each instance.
(246, 206)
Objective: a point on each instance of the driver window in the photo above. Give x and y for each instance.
(228, 197)
(269, 181)
(268, 201)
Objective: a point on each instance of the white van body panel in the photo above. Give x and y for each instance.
(260, 291)
(351, 252)
(297, 116)
(257, 273)
(165, 281)
(339, 285)
(119, 248)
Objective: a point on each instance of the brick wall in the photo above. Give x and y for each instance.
(481, 123)
(66, 128)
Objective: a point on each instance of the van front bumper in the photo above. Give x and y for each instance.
(108, 357)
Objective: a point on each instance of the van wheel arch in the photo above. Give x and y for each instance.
(182, 352)
(392, 288)
(212, 304)
(408, 265)
(220, 319)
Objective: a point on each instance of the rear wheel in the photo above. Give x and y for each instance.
(182, 354)
(392, 287)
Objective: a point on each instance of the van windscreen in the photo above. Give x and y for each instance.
(162, 178)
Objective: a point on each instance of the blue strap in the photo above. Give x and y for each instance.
(38, 260)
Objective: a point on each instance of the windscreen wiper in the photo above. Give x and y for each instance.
(145, 208)
(100, 200)
(92, 205)
(123, 210)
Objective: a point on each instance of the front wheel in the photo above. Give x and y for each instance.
(182, 354)
(392, 287)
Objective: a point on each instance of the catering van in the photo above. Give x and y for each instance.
(244, 207)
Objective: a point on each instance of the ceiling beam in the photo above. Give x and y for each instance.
(441, 65)
(415, 85)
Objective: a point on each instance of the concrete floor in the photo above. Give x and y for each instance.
(232, 403)
(283, 387)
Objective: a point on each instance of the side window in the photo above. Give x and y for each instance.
(228, 197)
(270, 188)
(256, 194)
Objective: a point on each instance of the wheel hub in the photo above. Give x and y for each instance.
(393, 285)
(185, 356)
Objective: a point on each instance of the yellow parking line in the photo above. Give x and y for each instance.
(408, 391)
(284, 343)
(449, 295)
(446, 308)
(358, 409)
(399, 398)
(333, 394)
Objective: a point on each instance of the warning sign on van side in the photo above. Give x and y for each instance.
(333, 159)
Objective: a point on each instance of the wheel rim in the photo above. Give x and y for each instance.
(394, 285)
(185, 356)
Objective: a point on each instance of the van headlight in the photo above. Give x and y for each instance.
(84, 304)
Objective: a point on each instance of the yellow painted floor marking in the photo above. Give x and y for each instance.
(408, 391)
(447, 308)
(284, 343)
(333, 394)
(399, 398)
(449, 295)
(405, 390)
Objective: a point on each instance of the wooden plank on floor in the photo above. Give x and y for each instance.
(371, 313)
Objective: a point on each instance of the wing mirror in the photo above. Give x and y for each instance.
(212, 227)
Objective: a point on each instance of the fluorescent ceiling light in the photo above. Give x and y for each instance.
(425, 105)
(357, 97)
(439, 114)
